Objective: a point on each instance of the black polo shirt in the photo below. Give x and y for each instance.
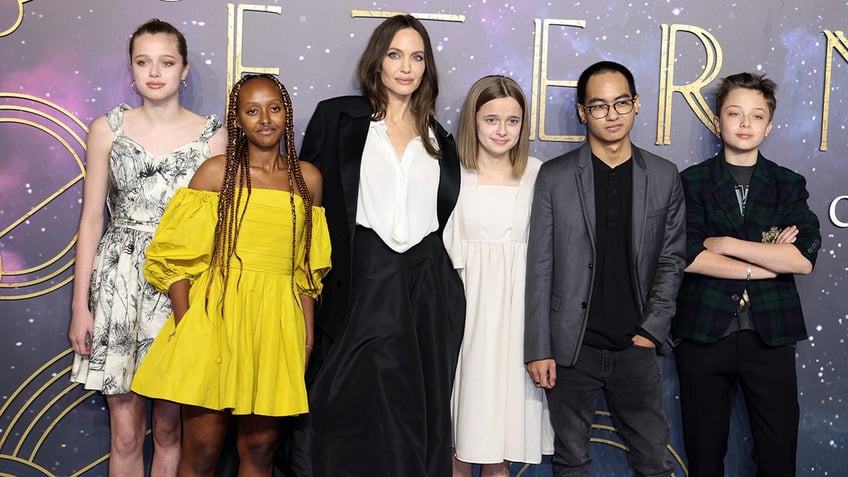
(614, 312)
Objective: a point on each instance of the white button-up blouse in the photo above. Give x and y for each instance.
(397, 196)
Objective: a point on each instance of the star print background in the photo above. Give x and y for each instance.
(73, 55)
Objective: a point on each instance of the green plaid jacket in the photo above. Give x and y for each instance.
(777, 197)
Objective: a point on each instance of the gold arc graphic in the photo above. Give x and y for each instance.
(27, 463)
(46, 408)
(49, 198)
(25, 408)
(23, 386)
(59, 418)
(18, 20)
(64, 123)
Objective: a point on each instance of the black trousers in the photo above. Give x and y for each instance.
(709, 377)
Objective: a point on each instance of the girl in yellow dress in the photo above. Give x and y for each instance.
(241, 252)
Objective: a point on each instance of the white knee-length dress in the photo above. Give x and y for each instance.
(497, 412)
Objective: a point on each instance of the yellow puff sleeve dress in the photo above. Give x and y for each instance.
(246, 352)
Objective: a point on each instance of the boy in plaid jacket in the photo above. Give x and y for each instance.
(749, 231)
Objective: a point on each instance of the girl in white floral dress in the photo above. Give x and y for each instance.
(136, 158)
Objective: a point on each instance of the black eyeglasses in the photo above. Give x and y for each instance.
(600, 111)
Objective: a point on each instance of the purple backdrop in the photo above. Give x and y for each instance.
(64, 63)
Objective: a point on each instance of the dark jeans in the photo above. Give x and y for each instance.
(632, 386)
(709, 377)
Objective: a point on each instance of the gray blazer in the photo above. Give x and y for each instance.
(561, 251)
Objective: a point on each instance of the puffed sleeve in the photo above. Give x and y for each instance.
(182, 245)
(319, 257)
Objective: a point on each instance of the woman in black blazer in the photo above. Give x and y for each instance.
(389, 327)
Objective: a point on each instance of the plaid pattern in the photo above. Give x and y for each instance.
(777, 197)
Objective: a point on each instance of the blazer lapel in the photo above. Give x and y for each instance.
(761, 202)
(449, 176)
(725, 194)
(353, 132)
(639, 211)
(585, 179)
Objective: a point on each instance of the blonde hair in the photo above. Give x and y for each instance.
(484, 90)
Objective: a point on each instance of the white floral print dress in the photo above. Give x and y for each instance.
(128, 312)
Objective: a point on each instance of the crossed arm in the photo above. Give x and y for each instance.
(729, 257)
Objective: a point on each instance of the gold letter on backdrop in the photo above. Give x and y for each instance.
(835, 40)
(441, 17)
(235, 25)
(541, 81)
(691, 92)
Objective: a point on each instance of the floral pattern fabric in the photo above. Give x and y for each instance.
(128, 312)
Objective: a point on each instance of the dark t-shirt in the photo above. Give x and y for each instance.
(742, 177)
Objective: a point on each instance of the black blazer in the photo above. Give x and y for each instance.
(334, 141)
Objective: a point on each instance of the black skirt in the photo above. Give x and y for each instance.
(380, 404)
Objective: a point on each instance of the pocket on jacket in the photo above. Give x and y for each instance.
(555, 302)
(656, 212)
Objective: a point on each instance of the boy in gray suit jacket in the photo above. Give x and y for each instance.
(605, 261)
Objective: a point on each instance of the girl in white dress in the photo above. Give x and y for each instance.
(136, 158)
(498, 414)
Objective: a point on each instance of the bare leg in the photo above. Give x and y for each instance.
(127, 424)
(166, 438)
(495, 470)
(203, 438)
(465, 469)
(257, 441)
(460, 468)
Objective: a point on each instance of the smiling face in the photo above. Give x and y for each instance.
(608, 88)
(498, 127)
(157, 66)
(403, 65)
(261, 113)
(744, 121)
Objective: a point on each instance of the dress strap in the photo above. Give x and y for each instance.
(213, 124)
(115, 118)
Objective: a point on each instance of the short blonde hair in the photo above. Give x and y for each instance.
(484, 90)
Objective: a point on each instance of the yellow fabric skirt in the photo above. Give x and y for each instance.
(245, 352)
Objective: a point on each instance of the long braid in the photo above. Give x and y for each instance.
(296, 179)
(236, 168)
